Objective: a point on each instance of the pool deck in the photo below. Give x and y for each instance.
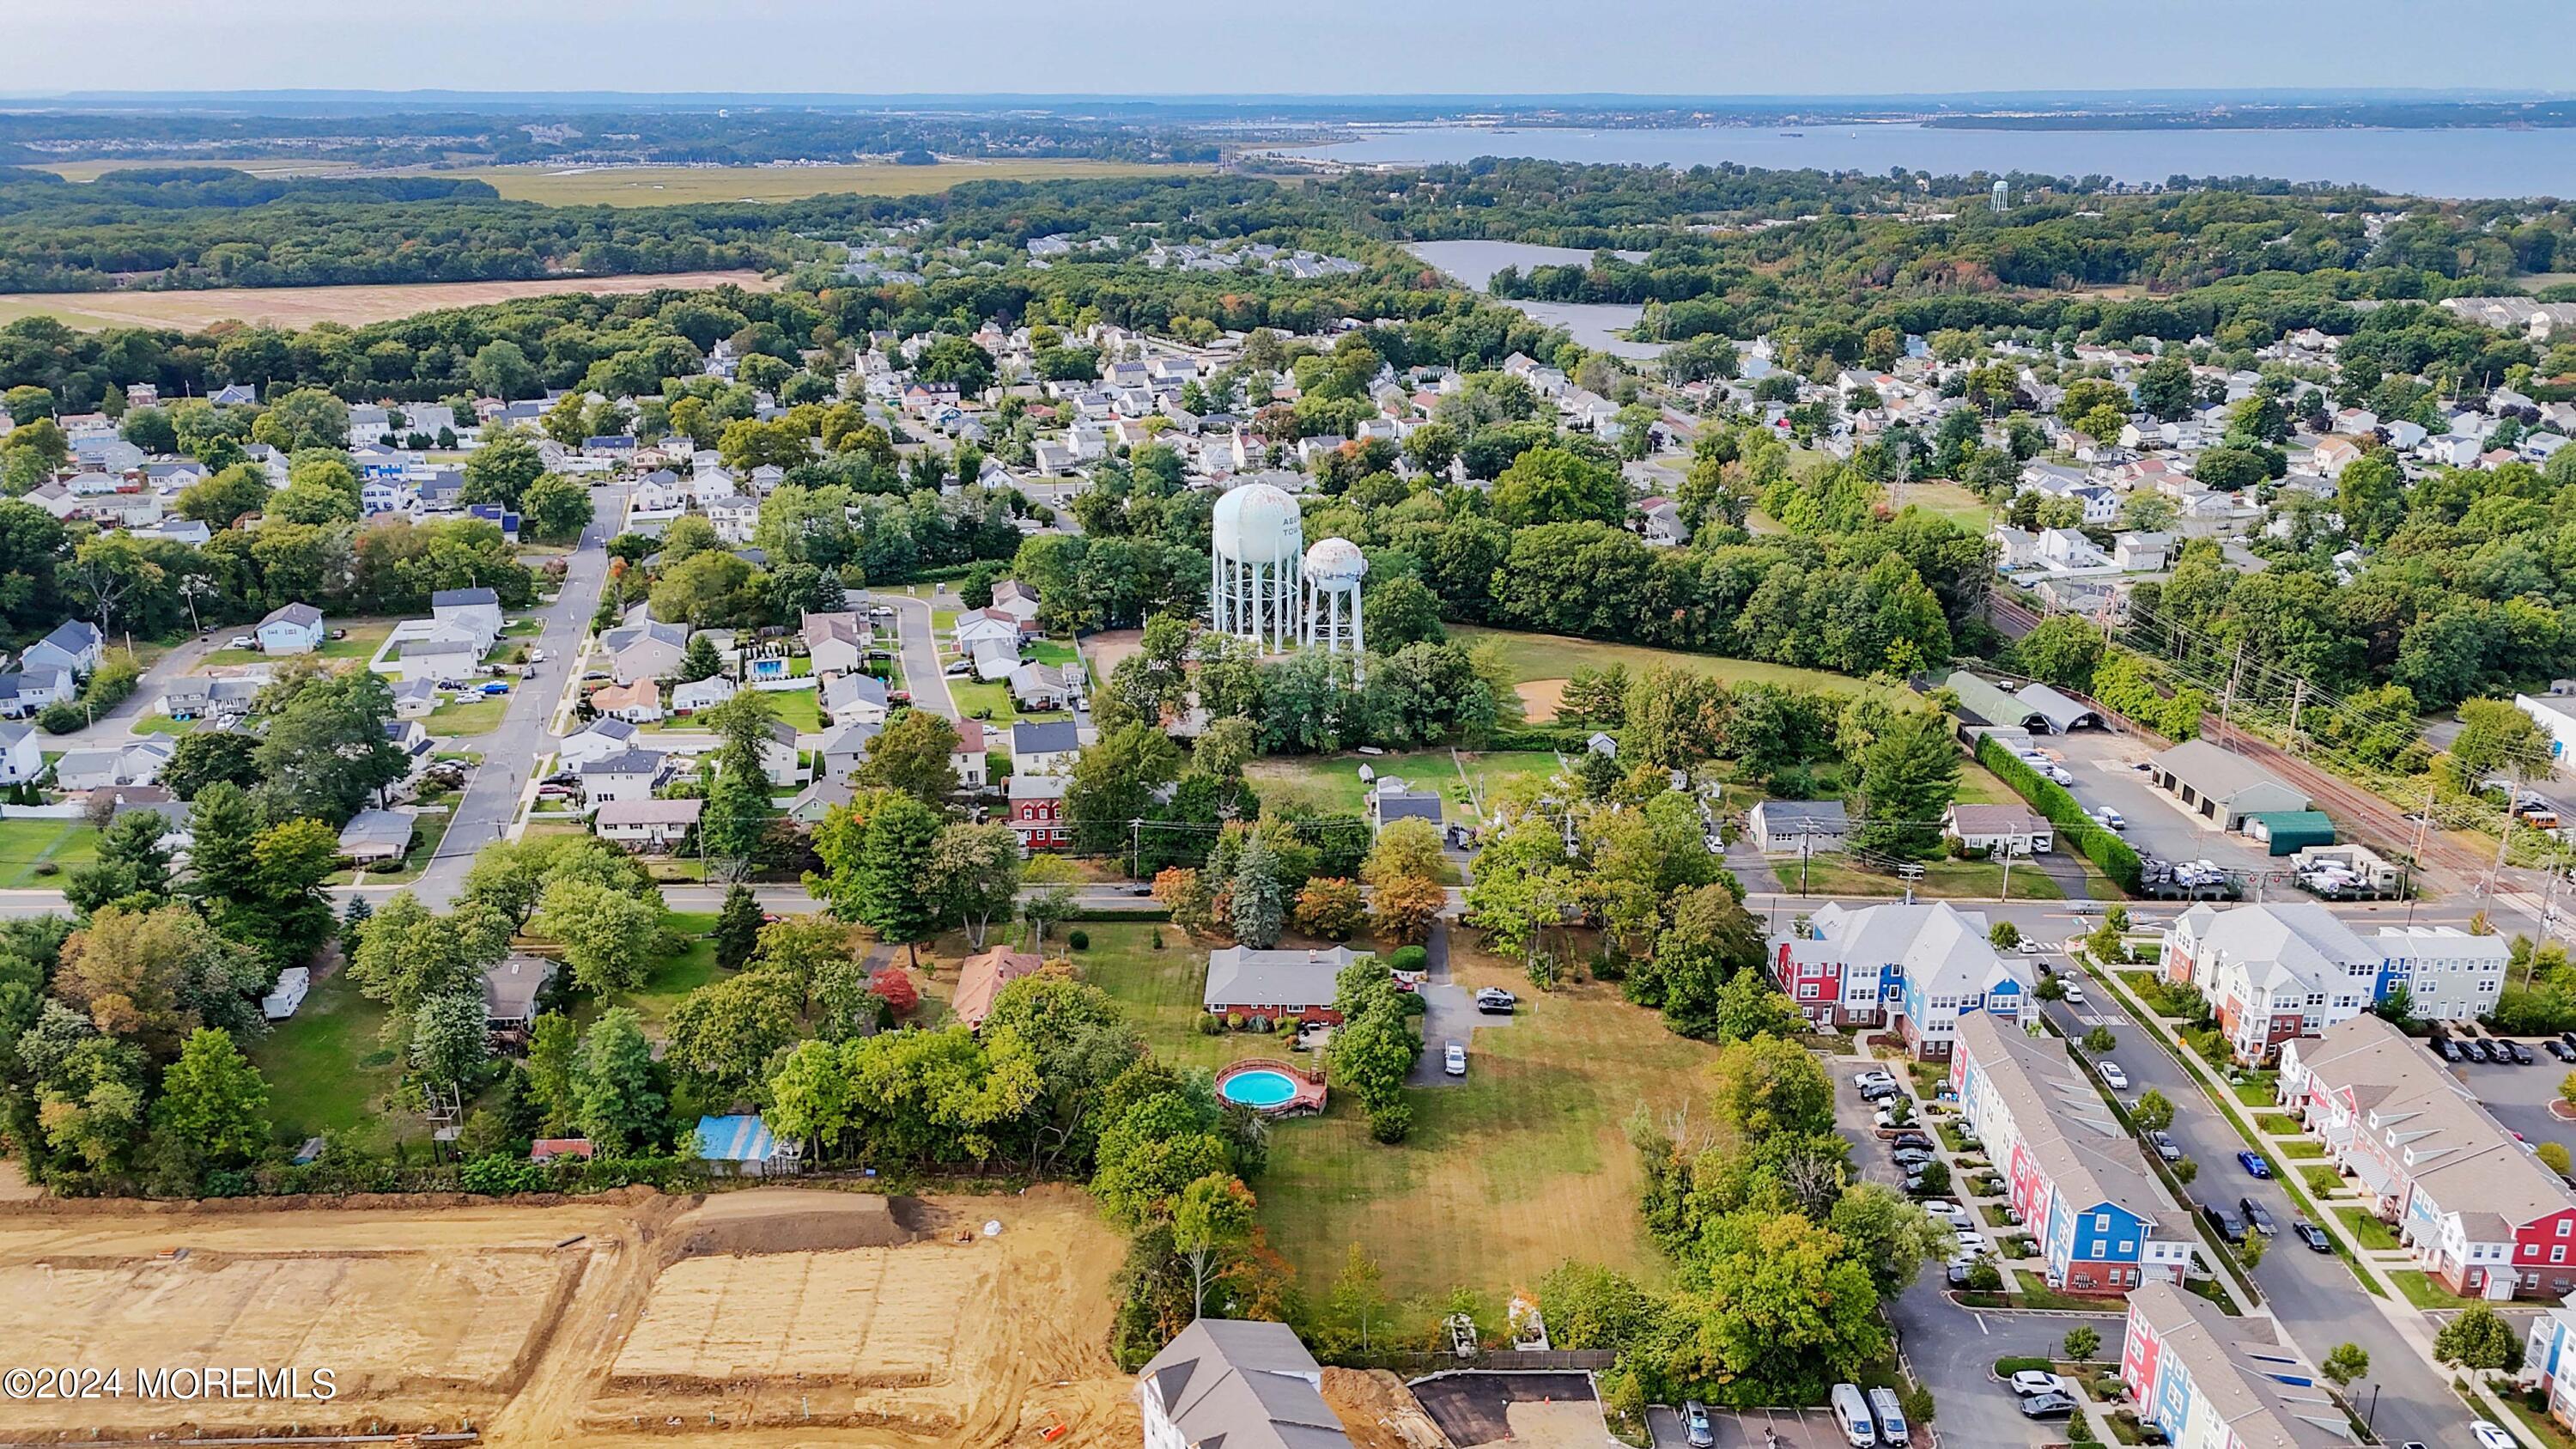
(1308, 1096)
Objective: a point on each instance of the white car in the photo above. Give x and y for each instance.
(2074, 993)
(1973, 1243)
(2036, 1381)
(1947, 1211)
(2112, 1074)
(2491, 1437)
(1454, 1062)
(1874, 1077)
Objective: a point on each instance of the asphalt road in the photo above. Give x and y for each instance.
(493, 791)
(2315, 1297)
(918, 644)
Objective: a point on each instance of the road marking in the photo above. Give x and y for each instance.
(1982, 1326)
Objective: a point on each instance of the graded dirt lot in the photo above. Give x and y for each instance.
(356, 306)
(773, 1316)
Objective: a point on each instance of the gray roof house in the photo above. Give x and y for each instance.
(376, 835)
(647, 650)
(1239, 1384)
(1386, 806)
(74, 645)
(510, 988)
(2220, 787)
(1787, 827)
(1283, 983)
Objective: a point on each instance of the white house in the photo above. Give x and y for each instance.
(1998, 829)
(629, 775)
(697, 694)
(836, 642)
(432, 652)
(478, 611)
(291, 629)
(75, 645)
(2556, 718)
(1047, 748)
(600, 739)
(21, 758)
(647, 825)
(851, 699)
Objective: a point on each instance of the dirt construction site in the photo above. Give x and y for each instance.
(772, 1316)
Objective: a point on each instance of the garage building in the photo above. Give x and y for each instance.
(2222, 788)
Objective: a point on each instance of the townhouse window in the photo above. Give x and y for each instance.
(2562, 1226)
(2101, 1222)
(2558, 1252)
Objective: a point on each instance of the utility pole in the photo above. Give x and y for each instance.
(2298, 699)
(2226, 706)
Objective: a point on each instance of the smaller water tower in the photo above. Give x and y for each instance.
(1333, 570)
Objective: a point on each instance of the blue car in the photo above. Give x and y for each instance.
(496, 687)
(2254, 1164)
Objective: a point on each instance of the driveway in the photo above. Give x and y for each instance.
(2314, 1296)
(117, 725)
(1450, 1015)
(491, 800)
(918, 644)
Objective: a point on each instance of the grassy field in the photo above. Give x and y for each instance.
(1332, 782)
(479, 716)
(1953, 502)
(300, 307)
(329, 1070)
(1829, 875)
(1542, 662)
(27, 846)
(162, 724)
(675, 185)
(1503, 1178)
(363, 642)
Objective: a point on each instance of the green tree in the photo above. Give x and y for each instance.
(1891, 1236)
(555, 508)
(914, 754)
(1212, 1217)
(2100, 1040)
(450, 1041)
(617, 1102)
(725, 1032)
(2082, 1342)
(1909, 777)
(213, 1100)
(502, 470)
(893, 892)
(501, 369)
(1359, 1290)
(1558, 485)
(735, 824)
(2003, 935)
(2476, 1338)
(1260, 895)
(2346, 1362)
(325, 755)
(554, 1045)
(2496, 738)
(737, 931)
(974, 875)
(607, 934)
(700, 660)
(308, 417)
(2153, 1113)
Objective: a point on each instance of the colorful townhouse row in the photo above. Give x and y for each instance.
(2104, 1224)
(2478, 1208)
(2214, 1382)
(1916, 970)
(2274, 973)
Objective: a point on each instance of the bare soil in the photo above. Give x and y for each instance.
(773, 1316)
(299, 307)
(1379, 1411)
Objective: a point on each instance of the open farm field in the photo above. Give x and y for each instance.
(305, 306)
(674, 185)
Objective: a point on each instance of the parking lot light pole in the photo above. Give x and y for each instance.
(2372, 1412)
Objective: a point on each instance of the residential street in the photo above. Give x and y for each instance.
(2314, 1296)
(493, 792)
(919, 651)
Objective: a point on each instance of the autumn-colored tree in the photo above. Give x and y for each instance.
(1329, 907)
(1403, 909)
(894, 987)
(1185, 893)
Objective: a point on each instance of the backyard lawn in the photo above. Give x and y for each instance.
(28, 847)
(1332, 782)
(329, 1070)
(1953, 502)
(162, 724)
(1541, 663)
(1523, 1166)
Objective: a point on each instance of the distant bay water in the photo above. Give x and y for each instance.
(2462, 162)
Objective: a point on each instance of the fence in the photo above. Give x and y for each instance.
(1552, 1360)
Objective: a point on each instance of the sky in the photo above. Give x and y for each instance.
(1333, 47)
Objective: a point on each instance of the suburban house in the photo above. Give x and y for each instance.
(846, 749)
(648, 825)
(1045, 748)
(982, 627)
(477, 611)
(1913, 968)
(2103, 1224)
(1276, 985)
(596, 740)
(1388, 805)
(636, 703)
(697, 694)
(1044, 687)
(1240, 1383)
(433, 651)
(138, 763)
(291, 629)
(854, 699)
(969, 758)
(2449, 974)
(2278, 971)
(1999, 829)
(2222, 788)
(415, 699)
(1037, 811)
(649, 650)
(837, 643)
(75, 646)
(2206, 1379)
(25, 691)
(510, 989)
(1018, 600)
(630, 775)
(21, 757)
(373, 837)
(1798, 827)
(982, 976)
(2479, 1211)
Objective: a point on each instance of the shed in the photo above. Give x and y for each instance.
(2288, 832)
(2063, 713)
(547, 1149)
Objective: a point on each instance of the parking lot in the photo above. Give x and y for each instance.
(1555, 1410)
(2519, 1097)
(1755, 1429)
(2157, 823)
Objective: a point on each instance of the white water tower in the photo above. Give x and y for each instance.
(1334, 568)
(1252, 587)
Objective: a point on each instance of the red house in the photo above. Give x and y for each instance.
(1037, 812)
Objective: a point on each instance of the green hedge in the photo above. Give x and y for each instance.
(1540, 737)
(2100, 846)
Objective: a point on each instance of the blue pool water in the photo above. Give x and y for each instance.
(1258, 1089)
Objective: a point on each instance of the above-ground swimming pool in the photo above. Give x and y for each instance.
(1260, 1087)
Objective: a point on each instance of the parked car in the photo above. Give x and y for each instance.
(2491, 1437)
(1957, 1274)
(2253, 1163)
(1974, 1243)
(1495, 1001)
(242, 641)
(1454, 1061)
(496, 687)
(2559, 1049)
(2312, 1235)
(2474, 1049)
(2111, 818)
(2047, 1406)
(2074, 992)
(1881, 1092)
(1947, 1211)
(2522, 1056)
(2449, 1049)
(2224, 1219)
(2037, 1381)
(2259, 1216)
(2165, 1146)
(2112, 1074)
(1695, 1422)
(1909, 1139)
(1873, 1077)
